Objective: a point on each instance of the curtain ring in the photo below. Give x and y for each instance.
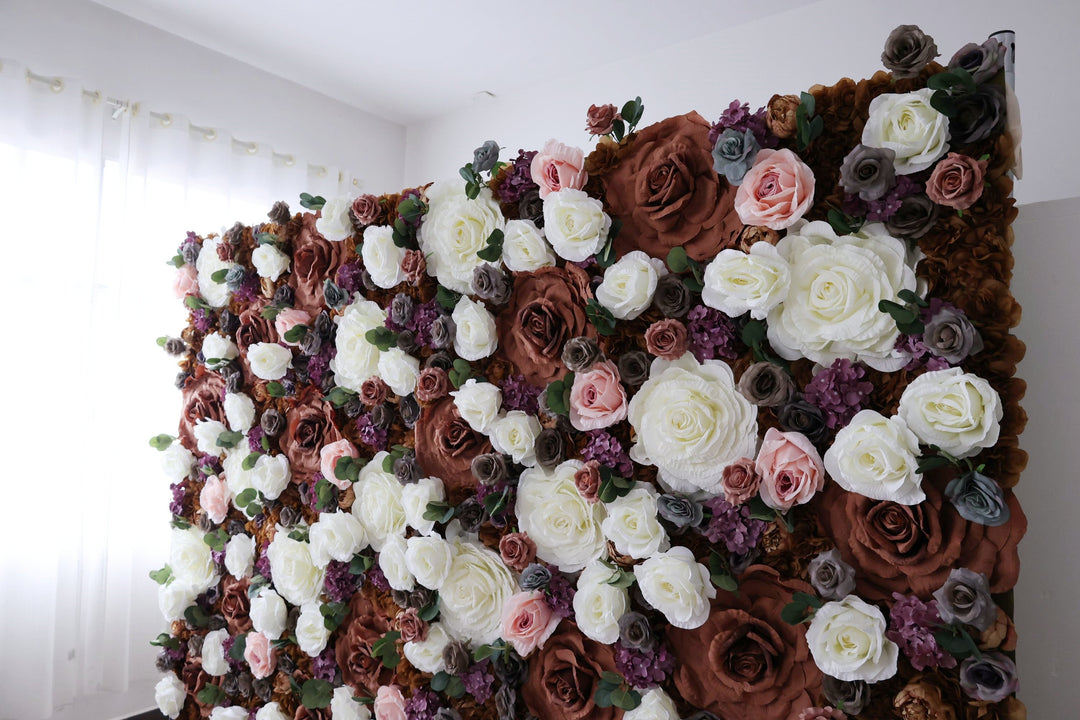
(322, 172)
(210, 134)
(57, 85)
(356, 181)
(252, 148)
(289, 161)
(166, 120)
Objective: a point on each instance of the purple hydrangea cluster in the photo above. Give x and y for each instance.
(208, 465)
(218, 556)
(349, 277)
(712, 334)
(839, 391)
(324, 665)
(913, 346)
(739, 532)
(884, 207)
(739, 117)
(202, 320)
(420, 324)
(605, 448)
(478, 680)
(370, 434)
(176, 507)
(319, 363)
(560, 594)
(262, 565)
(340, 583)
(376, 577)
(644, 667)
(248, 289)
(255, 436)
(911, 626)
(422, 705)
(520, 395)
(518, 181)
(226, 645)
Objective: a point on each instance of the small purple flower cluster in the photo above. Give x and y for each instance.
(518, 181)
(248, 289)
(605, 448)
(520, 395)
(739, 532)
(203, 320)
(262, 565)
(478, 680)
(227, 645)
(712, 334)
(560, 594)
(370, 434)
(208, 465)
(176, 507)
(340, 583)
(324, 665)
(911, 626)
(319, 363)
(739, 117)
(348, 277)
(644, 667)
(920, 354)
(420, 323)
(839, 391)
(376, 577)
(884, 207)
(423, 705)
(255, 436)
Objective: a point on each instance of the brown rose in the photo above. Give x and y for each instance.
(362, 627)
(365, 208)
(601, 119)
(254, 328)
(235, 605)
(373, 391)
(780, 117)
(957, 181)
(667, 194)
(314, 259)
(740, 481)
(546, 309)
(587, 481)
(517, 550)
(432, 384)
(667, 339)
(411, 627)
(414, 266)
(563, 676)
(195, 680)
(745, 661)
(446, 445)
(911, 549)
(921, 698)
(309, 425)
(203, 397)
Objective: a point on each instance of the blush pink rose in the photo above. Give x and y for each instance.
(287, 319)
(328, 457)
(790, 468)
(214, 499)
(558, 167)
(597, 399)
(776, 192)
(260, 655)
(527, 621)
(186, 281)
(957, 181)
(389, 703)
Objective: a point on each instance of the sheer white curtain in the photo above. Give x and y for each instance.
(94, 198)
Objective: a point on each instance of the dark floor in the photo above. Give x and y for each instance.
(149, 715)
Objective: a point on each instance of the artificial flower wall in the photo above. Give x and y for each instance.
(707, 420)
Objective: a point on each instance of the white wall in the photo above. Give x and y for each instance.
(130, 60)
(785, 53)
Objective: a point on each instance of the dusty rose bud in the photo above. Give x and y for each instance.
(740, 481)
(411, 627)
(374, 391)
(600, 119)
(587, 481)
(517, 550)
(957, 181)
(365, 209)
(432, 384)
(414, 265)
(666, 339)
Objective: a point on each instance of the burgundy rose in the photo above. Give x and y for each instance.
(957, 181)
(314, 260)
(374, 391)
(203, 398)
(235, 605)
(740, 481)
(446, 445)
(254, 328)
(309, 425)
(362, 627)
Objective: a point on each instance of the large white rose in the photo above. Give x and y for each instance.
(392, 563)
(378, 504)
(357, 359)
(877, 457)
(233, 712)
(311, 632)
(334, 223)
(576, 224)
(478, 403)
(169, 695)
(429, 560)
(206, 433)
(524, 248)
(268, 614)
(236, 477)
(629, 285)
(190, 560)
(213, 653)
(216, 294)
(473, 594)
(336, 536)
(239, 411)
(737, 282)
(598, 605)
(271, 711)
(957, 411)
(415, 498)
(296, 576)
(831, 309)
(344, 707)
(655, 705)
(400, 370)
(176, 462)
(174, 598)
(382, 258)
(691, 423)
(269, 361)
(678, 586)
(847, 640)
(218, 350)
(240, 555)
(455, 228)
(514, 434)
(474, 337)
(909, 126)
(269, 262)
(271, 475)
(632, 525)
(427, 655)
(565, 527)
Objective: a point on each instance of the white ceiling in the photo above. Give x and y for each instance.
(410, 61)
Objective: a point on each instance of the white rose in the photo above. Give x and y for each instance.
(514, 434)
(216, 294)
(233, 712)
(334, 223)
(575, 224)
(236, 477)
(754, 282)
(877, 457)
(378, 504)
(382, 258)
(474, 337)
(271, 711)
(190, 559)
(632, 525)
(336, 536)
(240, 555)
(268, 614)
(629, 285)
(655, 705)
(427, 656)
(175, 598)
(218, 350)
(415, 498)
(455, 228)
(213, 653)
(269, 262)
(565, 527)
(475, 590)
(206, 434)
(296, 577)
(847, 640)
(169, 695)
(428, 559)
(957, 411)
(909, 126)
(691, 423)
(524, 248)
(239, 411)
(399, 369)
(269, 361)
(357, 359)
(598, 605)
(678, 586)
(831, 309)
(392, 563)
(271, 475)
(311, 632)
(344, 707)
(478, 404)
(176, 462)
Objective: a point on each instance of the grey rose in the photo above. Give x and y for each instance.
(978, 499)
(406, 342)
(766, 384)
(485, 156)
(190, 252)
(490, 284)
(734, 153)
(951, 336)
(634, 631)
(511, 668)
(679, 511)
(506, 703)
(831, 577)
(272, 422)
(280, 213)
(549, 447)
(489, 468)
(977, 115)
(579, 354)
(965, 599)
(851, 695)
(401, 309)
(990, 677)
(409, 410)
(801, 416)
(982, 61)
(534, 577)
(441, 359)
(470, 513)
(634, 367)
(234, 278)
(868, 172)
(672, 297)
(915, 216)
(531, 207)
(406, 469)
(284, 296)
(442, 332)
(907, 51)
(311, 343)
(381, 416)
(456, 657)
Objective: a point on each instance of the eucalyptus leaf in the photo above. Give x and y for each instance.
(161, 442)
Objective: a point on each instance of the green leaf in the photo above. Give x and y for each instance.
(754, 333)
(956, 641)
(210, 695)
(385, 649)
(348, 468)
(618, 130)
(296, 333)
(176, 261)
(248, 464)
(411, 209)
(381, 337)
(602, 697)
(472, 190)
(439, 512)
(600, 317)
(316, 694)
(333, 614)
(677, 259)
(430, 611)
(489, 651)
(495, 503)
(166, 640)
(632, 111)
(467, 174)
(236, 652)
(229, 438)
(265, 238)
(720, 573)
(161, 341)
(456, 687)
(491, 253)
(161, 442)
(247, 496)
(898, 312)
(621, 579)
(360, 564)
(324, 495)
(625, 698)
(807, 101)
(839, 222)
(402, 233)
(219, 275)
(196, 616)
(795, 612)
(440, 680)
(270, 312)
(909, 296)
(931, 462)
(161, 576)
(760, 511)
(275, 389)
(179, 523)
(606, 257)
(810, 600)
(557, 395)
(943, 103)
(339, 396)
(196, 303)
(312, 202)
(217, 539)
(448, 299)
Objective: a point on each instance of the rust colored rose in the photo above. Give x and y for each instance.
(309, 425)
(254, 328)
(517, 550)
(780, 115)
(564, 675)
(921, 698)
(600, 119)
(412, 628)
(203, 397)
(911, 549)
(745, 661)
(235, 605)
(667, 339)
(446, 445)
(432, 384)
(414, 266)
(362, 627)
(365, 208)
(546, 309)
(195, 680)
(374, 391)
(957, 181)
(666, 193)
(587, 481)
(314, 259)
